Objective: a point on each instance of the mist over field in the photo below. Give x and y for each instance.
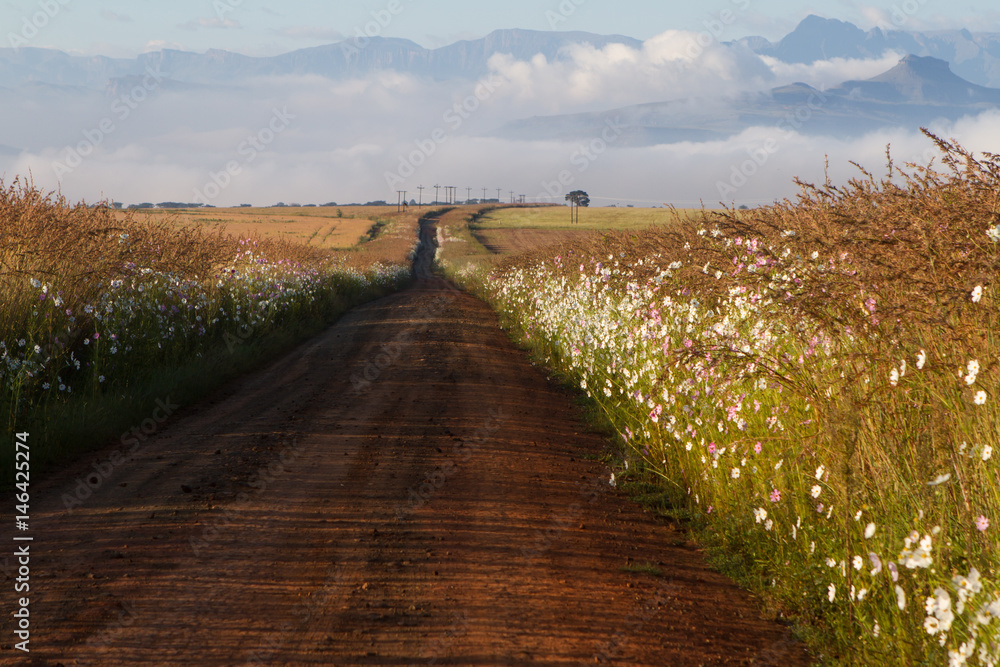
(308, 138)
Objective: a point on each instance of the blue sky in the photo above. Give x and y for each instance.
(265, 27)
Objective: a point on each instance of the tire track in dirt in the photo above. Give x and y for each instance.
(404, 489)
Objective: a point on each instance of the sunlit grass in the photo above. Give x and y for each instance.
(602, 219)
(819, 383)
(97, 304)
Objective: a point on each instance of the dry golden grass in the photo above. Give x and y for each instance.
(598, 219)
(318, 227)
(515, 241)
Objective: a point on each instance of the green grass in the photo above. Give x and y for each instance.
(642, 568)
(558, 217)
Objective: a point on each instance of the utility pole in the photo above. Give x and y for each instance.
(468, 197)
(523, 197)
(484, 196)
(402, 200)
(437, 189)
(511, 196)
(499, 194)
(421, 201)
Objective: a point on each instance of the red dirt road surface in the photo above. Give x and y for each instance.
(405, 489)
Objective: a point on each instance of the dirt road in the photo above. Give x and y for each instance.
(404, 489)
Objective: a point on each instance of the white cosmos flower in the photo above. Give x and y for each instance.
(987, 452)
(894, 377)
(940, 479)
(921, 360)
(900, 598)
(931, 625)
(735, 473)
(869, 531)
(831, 592)
(980, 398)
(977, 294)
(819, 472)
(858, 562)
(816, 490)
(831, 563)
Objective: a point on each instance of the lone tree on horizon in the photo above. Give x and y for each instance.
(577, 199)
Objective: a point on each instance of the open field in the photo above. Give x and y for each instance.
(479, 236)
(319, 227)
(597, 219)
(508, 231)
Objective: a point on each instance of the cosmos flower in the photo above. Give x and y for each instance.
(982, 523)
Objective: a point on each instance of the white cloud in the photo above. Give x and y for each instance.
(674, 65)
(825, 74)
(346, 135)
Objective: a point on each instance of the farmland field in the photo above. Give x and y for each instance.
(319, 227)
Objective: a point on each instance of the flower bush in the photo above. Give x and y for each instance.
(817, 381)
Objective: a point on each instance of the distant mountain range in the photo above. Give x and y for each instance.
(973, 56)
(466, 59)
(918, 91)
